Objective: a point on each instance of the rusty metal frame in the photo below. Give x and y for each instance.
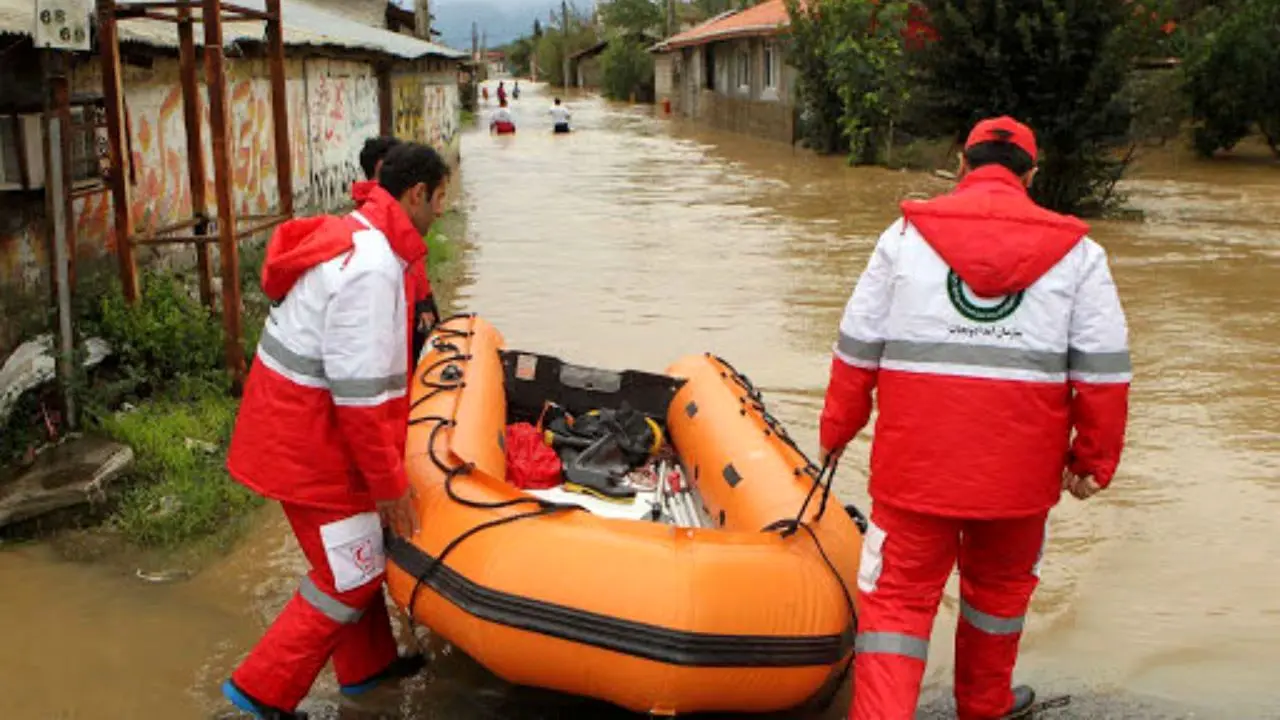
(205, 228)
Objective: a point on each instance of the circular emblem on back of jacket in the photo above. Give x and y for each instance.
(978, 309)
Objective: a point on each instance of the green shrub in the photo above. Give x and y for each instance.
(626, 68)
(1233, 78)
(167, 335)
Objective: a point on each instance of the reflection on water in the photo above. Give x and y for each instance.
(637, 239)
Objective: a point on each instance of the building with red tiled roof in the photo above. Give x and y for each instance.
(729, 72)
(765, 19)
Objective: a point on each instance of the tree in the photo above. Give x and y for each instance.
(632, 17)
(1058, 65)
(626, 69)
(555, 44)
(852, 73)
(537, 28)
(1233, 79)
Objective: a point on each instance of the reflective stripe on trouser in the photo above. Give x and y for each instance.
(899, 602)
(899, 585)
(998, 560)
(318, 623)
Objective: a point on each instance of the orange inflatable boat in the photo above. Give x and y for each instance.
(745, 605)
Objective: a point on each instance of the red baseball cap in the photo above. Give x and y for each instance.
(1003, 129)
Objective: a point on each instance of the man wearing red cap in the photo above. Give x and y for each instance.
(991, 330)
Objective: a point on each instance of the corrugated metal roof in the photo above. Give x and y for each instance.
(767, 18)
(304, 24)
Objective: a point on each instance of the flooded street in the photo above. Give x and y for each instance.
(636, 240)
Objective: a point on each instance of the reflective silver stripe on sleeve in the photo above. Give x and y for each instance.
(977, 355)
(889, 643)
(357, 388)
(288, 359)
(1100, 362)
(990, 624)
(860, 349)
(330, 608)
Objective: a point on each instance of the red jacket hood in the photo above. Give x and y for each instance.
(299, 245)
(992, 233)
(362, 190)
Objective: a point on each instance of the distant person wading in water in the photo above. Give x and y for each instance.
(560, 116)
(502, 93)
(501, 122)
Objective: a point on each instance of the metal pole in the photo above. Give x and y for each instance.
(195, 150)
(109, 45)
(279, 107)
(228, 250)
(56, 201)
(564, 50)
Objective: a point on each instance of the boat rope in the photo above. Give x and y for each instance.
(823, 477)
(452, 379)
(755, 400)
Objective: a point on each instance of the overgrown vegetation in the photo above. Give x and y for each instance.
(626, 70)
(853, 80)
(1058, 65)
(166, 395)
(875, 76)
(626, 65)
(1233, 76)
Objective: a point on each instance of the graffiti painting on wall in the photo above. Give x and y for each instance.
(161, 194)
(342, 108)
(441, 115)
(407, 108)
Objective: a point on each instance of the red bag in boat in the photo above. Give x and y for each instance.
(531, 464)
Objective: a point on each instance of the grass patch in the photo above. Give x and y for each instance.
(181, 490)
(439, 248)
(468, 118)
(168, 367)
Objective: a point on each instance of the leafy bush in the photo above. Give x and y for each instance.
(1233, 78)
(167, 335)
(626, 68)
(853, 79)
(821, 106)
(1058, 65)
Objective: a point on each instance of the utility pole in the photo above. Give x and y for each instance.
(476, 75)
(671, 19)
(564, 18)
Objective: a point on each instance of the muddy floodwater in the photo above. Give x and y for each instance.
(638, 239)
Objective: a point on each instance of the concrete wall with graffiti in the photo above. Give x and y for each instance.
(333, 108)
(426, 108)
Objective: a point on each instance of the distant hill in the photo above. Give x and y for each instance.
(501, 20)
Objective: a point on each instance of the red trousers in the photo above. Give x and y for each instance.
(906, 559)
(339, 611)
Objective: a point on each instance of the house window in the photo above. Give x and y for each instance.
(744, 69)
(770, 65)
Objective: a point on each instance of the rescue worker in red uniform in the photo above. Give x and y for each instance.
(993, 337)
(424, 310)
(322, 428)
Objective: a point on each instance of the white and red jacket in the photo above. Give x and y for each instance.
(991, 329)
(324, 414)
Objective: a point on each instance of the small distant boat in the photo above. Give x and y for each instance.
(736, 607)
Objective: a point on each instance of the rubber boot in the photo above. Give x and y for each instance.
(1024, 700)
(402, 667)
(244, 701)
